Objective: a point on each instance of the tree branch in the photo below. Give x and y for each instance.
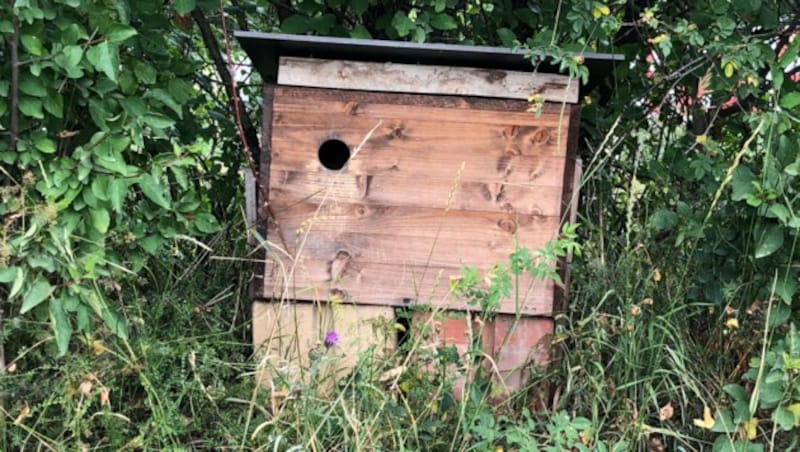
(13, 129)
(247, 131)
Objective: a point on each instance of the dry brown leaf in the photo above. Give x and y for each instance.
(86, 387)
(104, 397)
(22, 415)
(666, 412)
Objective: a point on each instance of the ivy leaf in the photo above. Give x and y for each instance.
(443, 22)
(100, 219)
(769, 242)
(8, 274)
(105, 59)
(60, 324)
(39, 291)
(153, 190)
(17, 285)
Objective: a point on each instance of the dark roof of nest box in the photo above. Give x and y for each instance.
(264, 50)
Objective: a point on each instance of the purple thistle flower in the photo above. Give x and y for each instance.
(331, 339)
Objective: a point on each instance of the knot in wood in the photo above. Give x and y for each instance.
(507, 225)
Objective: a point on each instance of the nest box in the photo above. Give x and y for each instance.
(386, 167)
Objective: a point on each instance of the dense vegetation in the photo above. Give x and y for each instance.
(124, 316)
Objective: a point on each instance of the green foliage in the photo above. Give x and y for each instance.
(119, 146)
(97, 161)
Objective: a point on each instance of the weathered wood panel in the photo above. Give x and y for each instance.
(407, 190)
(442, 80)
(390, 284)
(437, 185)
(439, 109)
(284, 334)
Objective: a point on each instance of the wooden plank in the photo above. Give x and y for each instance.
(491, 153)
(439, 109)
(406, 250)
(402, 189)
(413, 222)
(390, 284)
(285, 334)
(428, 79)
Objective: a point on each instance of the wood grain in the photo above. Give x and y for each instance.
(441, 182)
(392, 284)
(427, 79)
(408, 190)
(285, 333)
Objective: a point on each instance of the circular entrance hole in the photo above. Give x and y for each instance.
(333, 154)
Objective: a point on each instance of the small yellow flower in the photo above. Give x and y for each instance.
(749, 428)
(700, 139)
(707, 422)
(732, 324)
(657, 275)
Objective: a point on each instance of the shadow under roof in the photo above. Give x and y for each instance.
(264, 49)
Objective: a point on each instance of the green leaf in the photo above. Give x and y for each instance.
(151, 243)
(117, 190)
(736, 392)
(32, 44)
(31, 106)
(17, 285)
(295, 24)
(32, 86)
(69, 57)
(663, 220)
(115, 323)
(105, 59)
(157, 121)
(100, 219)
(443, 22)
(790, 100)
(54, 104)
(8, 274)
(39, 291)
(184, 7)
(145, 73)
(164, 97)
(507, 37)
(61, 326)
(402, 24)
(360, 32)
(769, 242)
(783, 418)
(359, 6)
(206, 223)
(45, 145)
(153, 190)
(120, 32)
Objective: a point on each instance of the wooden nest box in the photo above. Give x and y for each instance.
(385, 168)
